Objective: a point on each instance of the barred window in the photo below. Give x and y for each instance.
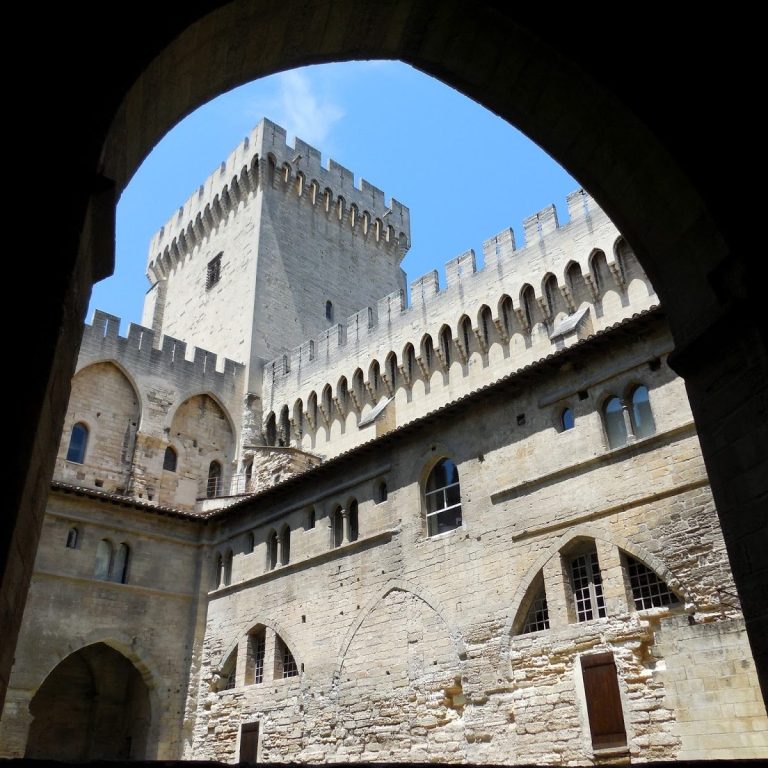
(538, 615)
(213, 272)
(443, 498)
(258, 646)
(587, 584)
(648, 590)
(229, 672)
(285, 663)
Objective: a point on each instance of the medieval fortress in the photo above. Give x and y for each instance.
(472, 526)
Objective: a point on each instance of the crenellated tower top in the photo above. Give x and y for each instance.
(265, 157)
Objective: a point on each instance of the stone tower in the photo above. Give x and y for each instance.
(271, 250)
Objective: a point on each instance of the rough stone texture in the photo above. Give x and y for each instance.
(407, 646)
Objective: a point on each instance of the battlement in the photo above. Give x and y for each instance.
(102, 340)
(265, 156)
(525, 290)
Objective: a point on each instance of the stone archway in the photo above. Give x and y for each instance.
(93, 705)
(630, 113)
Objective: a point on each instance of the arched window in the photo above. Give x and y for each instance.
(529, 298)
(285, 664)
(550, 292)
(374, 380)
(120, 566)
(312, 408)
(643, 424)
(587, 586)
(213, 488)
(248, 475)
(271, 551)
(219, 571)
(271, 429)
(445, 345)
(72, 538)
(227, 575)
(391, 363)
(486, 321)
(381, 492)
(537, 617)
(285, 546)
(78, 442)
(615, 426)
(427, 351)
(566, 419)
(169, 460)
(648, 589)
(354, 529)
(327, 401)
(329, 311)
(228, 673)
(466, 333)
(443, 498)
(337, 524)
(506, 313)
(285, 427)
(104, 554)
(410, 361)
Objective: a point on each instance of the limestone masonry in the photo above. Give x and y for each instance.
(474, 526)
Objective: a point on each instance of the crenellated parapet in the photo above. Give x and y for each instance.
(146, 362)
(565, 281)
(265, 160)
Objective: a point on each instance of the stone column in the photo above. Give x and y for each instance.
(628, 422)
(345, 526)
(279, 551)
(612, 572)
(558, 589)
(270, 662)
(15, 724)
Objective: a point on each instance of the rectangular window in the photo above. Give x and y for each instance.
(213, 273)
(258, 643)
(601, 687)
(249, 742)
(587, 587)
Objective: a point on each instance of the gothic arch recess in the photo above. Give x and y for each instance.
(582, 532)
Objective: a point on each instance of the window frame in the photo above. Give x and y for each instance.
(83, 429)
(433, 515)
(213, 271)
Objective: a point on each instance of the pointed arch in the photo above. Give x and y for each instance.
(409, 362)
(427, 353)
(401, 585)
(358, 385)
(374, 380)
(390, 366)
(270, 429)
(505, 313)
(446, 343)
(485, 325)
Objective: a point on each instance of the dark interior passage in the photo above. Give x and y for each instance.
(94, 705)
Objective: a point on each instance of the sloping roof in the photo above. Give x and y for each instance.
(629, 325)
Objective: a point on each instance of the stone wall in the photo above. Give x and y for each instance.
(149, 619)
(410, 646)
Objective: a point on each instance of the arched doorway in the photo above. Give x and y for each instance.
(93, 705)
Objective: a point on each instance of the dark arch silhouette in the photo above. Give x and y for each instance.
(93, 705)
(648, 155)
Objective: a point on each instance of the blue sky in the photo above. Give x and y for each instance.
(464, 173)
